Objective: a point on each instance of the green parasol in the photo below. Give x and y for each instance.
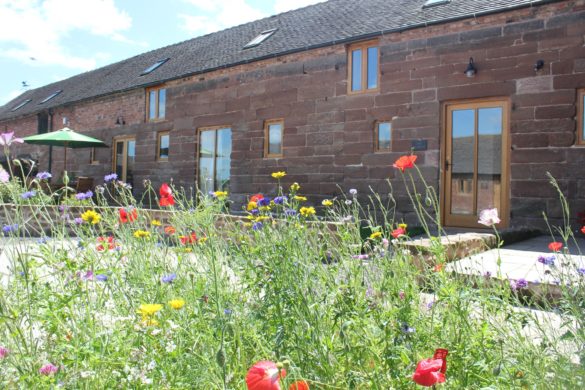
(66, 138)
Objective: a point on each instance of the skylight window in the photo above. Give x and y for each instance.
(51, 96)
(153, 66)
(432, 3)
(264, 35)
(21, 105)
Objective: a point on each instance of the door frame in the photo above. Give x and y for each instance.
(504, 210)
(125, 139)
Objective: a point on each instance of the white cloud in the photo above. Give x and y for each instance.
(215, 16)
(287, 5)
(36, 29)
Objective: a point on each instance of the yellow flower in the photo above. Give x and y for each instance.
(247, 224)
(375, 235)
(327, 203)
(155, 222)
(278, 175)
(148, 321)
(251, 205)
(220, 194)
(264, 208)
(261, 218)
(149, 309)
(299, 198)
(177, 303)
(91, 216)
(141, 234)
(402, 226)
(307, 211)
(294, 187)
(202, 240)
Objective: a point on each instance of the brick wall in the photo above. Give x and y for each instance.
(328, 139)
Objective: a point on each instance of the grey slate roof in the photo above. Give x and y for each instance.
(318, 25)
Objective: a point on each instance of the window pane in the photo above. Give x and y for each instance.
(224, 151)
(163, 151)
(131, 154)
(462, 154)
(384, 135)
(372, 67)
(489, 157)
(162, 101)
(152, 105)
(120, 160)
(206, 160)
(275, 138)
(356, 70)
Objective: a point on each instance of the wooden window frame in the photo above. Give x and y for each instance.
(377, 138)
(364, 46)
(157, 109)
(198, 151)
(124, 139)
(92, 159)
(159, 135)
(580, 117)
(267, 124)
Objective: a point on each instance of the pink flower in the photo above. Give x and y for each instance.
(4, 352)
(489, 217)
(7, 139)
(48, 369)
(4, 176)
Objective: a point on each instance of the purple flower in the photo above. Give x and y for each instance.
(110, 177)
(28, 194)
(170, 278)
(42, 240)
(48, 369)
(84, 195)
(488, 274)
(518, 284)
(101, 277)
(581, 271)
(489, 217)
(254, 212)
(264, 202)
(227, 312)
(257, 226)
(4, 352)
(78, 221)
(290, 212)
(547, 260)
(430, 305)
(44, 176)
(7, 139)
(360, 257)
(280, 200)
(9, 228)
(407, 329)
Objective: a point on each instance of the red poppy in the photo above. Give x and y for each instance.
(299, 385)
(405, 162)
(555, 246)
(126, 216)
(429, 372)
(256, 198)
(170, 230)
(166, 196)
(439, 267)
(583, 230)
(398, 232)
(190, 239)
(264, 375)
(108, 241)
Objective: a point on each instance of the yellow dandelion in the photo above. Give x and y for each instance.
(327, 202)
(141, 234)
(251, 205)
(155, 222)
(294, 187)
(91, 217)
(177, 303)
(220, 194)
(278, 175)
(307, 211)
(149, 309)
(299, 198)
(375, 235)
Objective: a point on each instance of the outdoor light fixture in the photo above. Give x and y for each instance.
(470, 71)
(539, 65)
(120, 120)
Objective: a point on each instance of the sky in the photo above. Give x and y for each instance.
(43, 41)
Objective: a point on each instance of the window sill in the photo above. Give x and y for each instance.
(363, 92)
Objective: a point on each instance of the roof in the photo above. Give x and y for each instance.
(322, 24)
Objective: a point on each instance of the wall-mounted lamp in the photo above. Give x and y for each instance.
(470, 71)
(538, 65)
(120, 120)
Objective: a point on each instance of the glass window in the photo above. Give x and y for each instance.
(273, 132)
(364, 67)
(153, 66)
(215, 149)
(163, 146)
(384, 135)
(581, 118)
(157, 101)
(264, 35)
(50, 96)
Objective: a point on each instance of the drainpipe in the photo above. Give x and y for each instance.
(50, 147)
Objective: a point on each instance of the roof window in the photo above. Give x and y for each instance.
(264, 35)
(153, 66)
(21, 105)
(51, 96)
(432, 3)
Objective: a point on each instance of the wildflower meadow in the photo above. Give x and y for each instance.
(174, 290)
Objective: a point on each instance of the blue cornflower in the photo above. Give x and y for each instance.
(28, 194)
(518, 284)
(110, 177)
(547, 260)
(254, 212)
(9, 228)
(290, 212)
(44, 176)
(257, 226)
(84, 195)
(227, 312)
(407, 329)
(280, 200)
(581, 271)
(42, 240)
(170, 278)
(101, 277)
(264, 202)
